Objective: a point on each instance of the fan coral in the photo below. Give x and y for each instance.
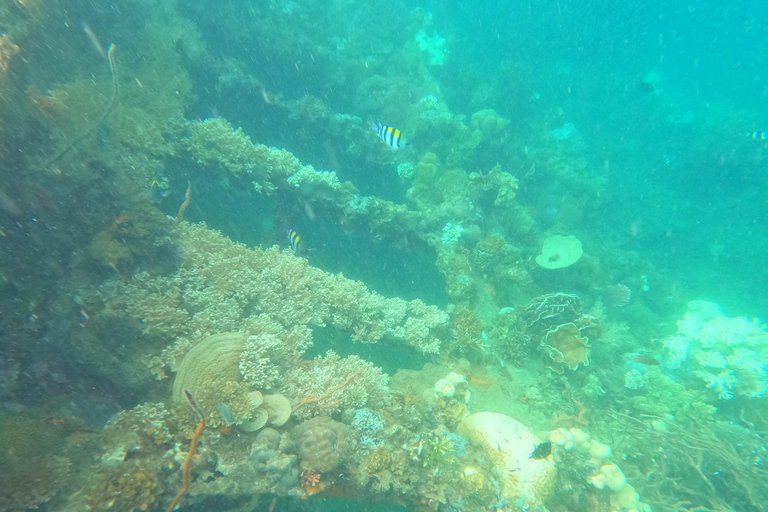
(210, 372)
(31, 468)
(617, 295)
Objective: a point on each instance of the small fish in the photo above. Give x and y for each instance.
(391, 136)
(226, 414)
(759, 135)
(158, 191)
(646, 360)
(542, 451)
(295, 240)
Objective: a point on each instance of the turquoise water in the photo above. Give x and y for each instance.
(570, 249)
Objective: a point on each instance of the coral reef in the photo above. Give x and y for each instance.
(623, 496)
(726, 354)
(96, 274)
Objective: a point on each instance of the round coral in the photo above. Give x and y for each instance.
(321, 442)
(509, 444)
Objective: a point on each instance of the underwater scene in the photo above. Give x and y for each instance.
(383, 256)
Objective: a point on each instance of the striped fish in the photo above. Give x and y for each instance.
(759, 135)
(391, 136)
(295, 240)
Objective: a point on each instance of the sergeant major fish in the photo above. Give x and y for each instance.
(295, 240)
(391, 136)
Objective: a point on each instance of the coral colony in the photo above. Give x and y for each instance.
(152, 360)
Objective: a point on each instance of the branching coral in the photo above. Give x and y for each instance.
(214, 143)
(330, 383)
(730, 352)
(224, 286)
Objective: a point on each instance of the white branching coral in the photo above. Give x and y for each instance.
(262, 359)
(677, 350)
(722, 382)
(633, 379)
(711, 359)
(729, 353)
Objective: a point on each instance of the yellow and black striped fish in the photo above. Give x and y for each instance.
(759, 135)
(295, 240)
(391, 136)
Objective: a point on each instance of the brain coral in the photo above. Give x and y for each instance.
(509, 444)
(321, 441)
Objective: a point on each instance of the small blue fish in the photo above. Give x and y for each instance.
(226, 414)
(392, 137)
(758, 135)
(295, 240)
